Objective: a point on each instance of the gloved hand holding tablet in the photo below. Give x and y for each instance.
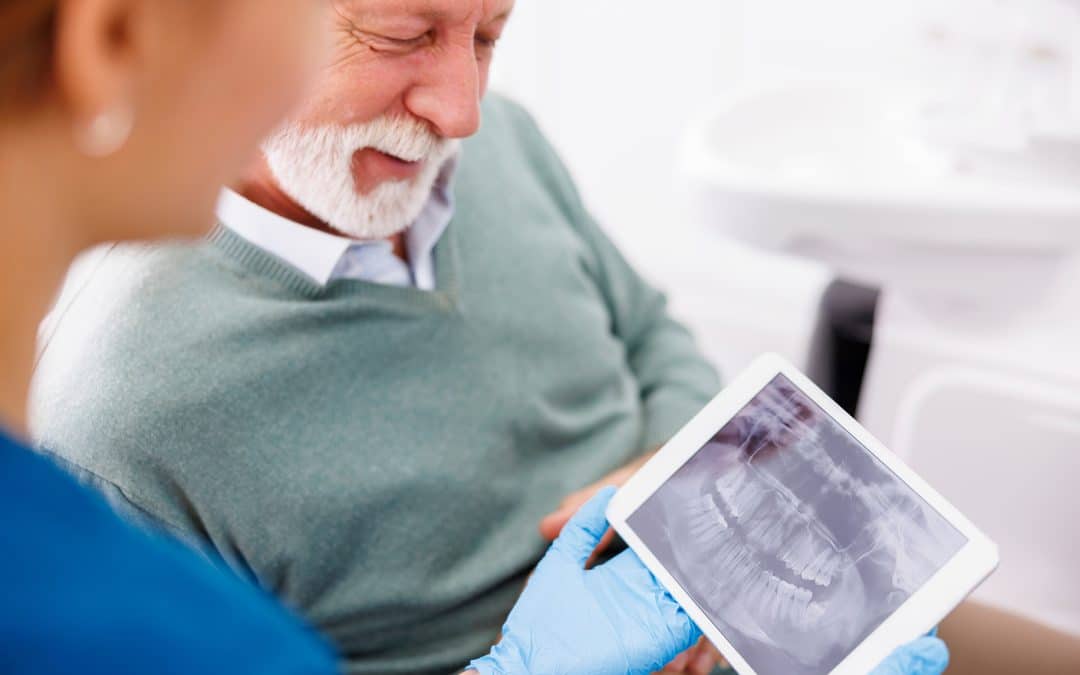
(797, 542)
(616, 619)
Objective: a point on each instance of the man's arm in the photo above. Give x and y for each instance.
(674, 379)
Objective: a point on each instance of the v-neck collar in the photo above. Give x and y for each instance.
(272, 268)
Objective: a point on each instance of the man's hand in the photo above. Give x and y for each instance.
(700, 659)
(553, 523)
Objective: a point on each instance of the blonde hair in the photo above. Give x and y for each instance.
(26, 43)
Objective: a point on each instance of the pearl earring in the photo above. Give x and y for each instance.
(106, 132)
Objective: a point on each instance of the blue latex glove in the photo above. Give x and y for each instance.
(925, 656)
(613, 619)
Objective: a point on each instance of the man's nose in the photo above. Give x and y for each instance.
(448, 96)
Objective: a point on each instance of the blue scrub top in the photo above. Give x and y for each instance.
(84, 592)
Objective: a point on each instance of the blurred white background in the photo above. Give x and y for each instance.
(614, 84)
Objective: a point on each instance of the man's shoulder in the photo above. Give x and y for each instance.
(511, 151)
(126, 361)
(129, 268)
(127, 316)
(130, 279)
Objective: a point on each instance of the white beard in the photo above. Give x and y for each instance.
(313, 166)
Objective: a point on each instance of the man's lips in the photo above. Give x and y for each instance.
(371, 168)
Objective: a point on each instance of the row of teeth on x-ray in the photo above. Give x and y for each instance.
(771, 524)
(750, 522)
(739, 568)
(775, 526)
(890, 513)
(762, 555)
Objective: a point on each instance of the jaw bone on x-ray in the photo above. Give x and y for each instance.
(791, 536)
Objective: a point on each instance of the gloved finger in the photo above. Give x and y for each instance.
(925, 656)
(629, 568)
(585, 529)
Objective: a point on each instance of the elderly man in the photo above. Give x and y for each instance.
(389, 361)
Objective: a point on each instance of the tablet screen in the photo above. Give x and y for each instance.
(791, 536)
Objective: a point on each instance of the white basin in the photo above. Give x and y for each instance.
(859, 176)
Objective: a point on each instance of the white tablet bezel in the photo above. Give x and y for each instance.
(919, 614)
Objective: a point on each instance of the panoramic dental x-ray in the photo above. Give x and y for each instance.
(792, 538)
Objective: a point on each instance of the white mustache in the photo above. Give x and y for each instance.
(406, 138)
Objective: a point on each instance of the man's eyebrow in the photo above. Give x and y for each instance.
(434, 15)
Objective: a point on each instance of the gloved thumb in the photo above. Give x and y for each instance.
(582, 534)
(925, 656)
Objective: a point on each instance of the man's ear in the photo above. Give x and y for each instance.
(99, 47)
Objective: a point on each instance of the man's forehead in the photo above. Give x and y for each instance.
(450, 11)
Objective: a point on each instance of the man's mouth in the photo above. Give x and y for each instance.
(371, 168)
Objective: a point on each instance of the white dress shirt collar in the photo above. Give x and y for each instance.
(311, 251)
(322, 256)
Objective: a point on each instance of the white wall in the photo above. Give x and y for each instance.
(613, 82)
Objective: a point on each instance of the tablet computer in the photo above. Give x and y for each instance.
(796, 541)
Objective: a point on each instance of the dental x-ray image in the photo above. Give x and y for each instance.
(793, 539)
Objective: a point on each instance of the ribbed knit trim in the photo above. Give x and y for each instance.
(268, 266)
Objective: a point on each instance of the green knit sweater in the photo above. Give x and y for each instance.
(377, 456)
